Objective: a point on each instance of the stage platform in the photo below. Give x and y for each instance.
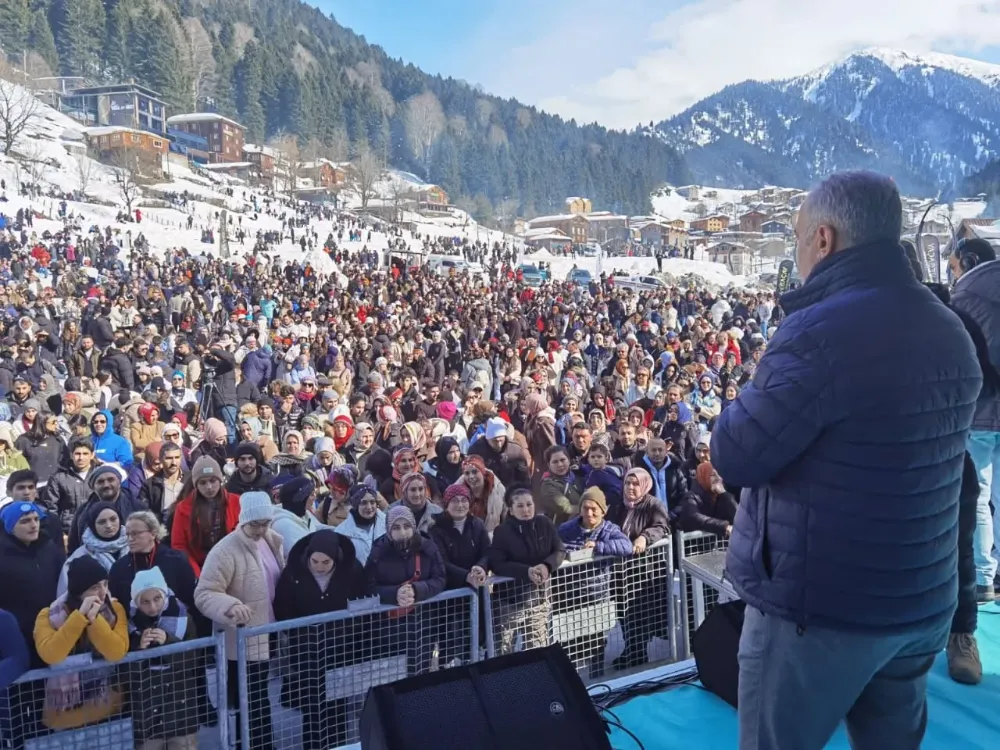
(960, 716)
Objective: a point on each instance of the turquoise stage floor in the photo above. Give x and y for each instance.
(961, 717)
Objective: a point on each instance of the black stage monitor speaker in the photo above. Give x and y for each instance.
(716, 645)
(526, 700)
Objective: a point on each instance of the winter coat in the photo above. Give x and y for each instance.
(124, 506)
(292, 528)
(256, 367)
(65, 493)
(559, 498)
(426, 519)
(106, 641)
(853, 482)
(460, 550)
(44, 456)
(609, 540)
(387, 569)
(14, 655)
(540, 432)
(702, 511)
(174, 565)
(111, 447)
(496, 509)
(510, 465)
(976, 296)
(28, 582)
(519, 545)
(234, 574)
(142, 434)
(105, 553)
(299, 595)
(115, 362)
(648, 518)
(164, 699)
(363, 538)
(669, 481)
(180, 527)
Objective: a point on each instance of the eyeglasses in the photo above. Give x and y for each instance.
(100, 421)
(260, 525)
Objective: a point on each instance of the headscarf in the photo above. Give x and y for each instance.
(534, 403)
(418, 438)
(449, 472)
(345, 420)
(152, 453)
(645, 482)
(475, 462)
(704, 476)
(255, 426)
(454, 491)
(401, 451)
(214, 429)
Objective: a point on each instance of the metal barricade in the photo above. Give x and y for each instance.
(302, 683)
(608, 613)
(170, 695)
(694, 606)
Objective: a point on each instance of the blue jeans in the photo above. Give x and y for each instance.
(795, 688)
(984, 447)
(228, 415)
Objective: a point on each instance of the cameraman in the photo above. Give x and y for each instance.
(219, 369)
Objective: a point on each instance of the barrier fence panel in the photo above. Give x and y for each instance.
(169, 696)
(694, 608)
(610, 614)
(302, 683)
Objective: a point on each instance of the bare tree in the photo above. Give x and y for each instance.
(288, 146)
(340, 144)
(18, 109)
(506, 214)
(84, 172)
(399, 192)
(201, 62)
(33, 158)
(425, 121)
(364, 174)
(125, 167)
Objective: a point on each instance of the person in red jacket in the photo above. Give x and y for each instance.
(204, 514)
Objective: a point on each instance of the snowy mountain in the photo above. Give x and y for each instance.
(928, 120)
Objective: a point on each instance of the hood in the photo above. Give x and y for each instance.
(297, 555)
(7, 435)
(111, 422)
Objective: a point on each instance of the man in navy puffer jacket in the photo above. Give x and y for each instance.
(850, 441)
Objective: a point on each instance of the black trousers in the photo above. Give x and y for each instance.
(258, 702)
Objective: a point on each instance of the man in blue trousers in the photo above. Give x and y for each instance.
(851, 442)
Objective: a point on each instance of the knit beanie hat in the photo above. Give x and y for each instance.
(249, 448)
(447, 410)
(255, 506)
(83, 573)
(149, 579)
(14, 512)
(399, 513)
(101, 470)
(595, 495)
(205, 467)
(454, 491)
(496, 428)
(294, 494)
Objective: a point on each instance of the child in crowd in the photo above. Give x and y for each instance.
(603, 474)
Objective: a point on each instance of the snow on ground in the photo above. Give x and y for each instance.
(676, 206)
(49, 138)
(713, 273)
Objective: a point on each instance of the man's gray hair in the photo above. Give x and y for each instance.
(864, 207)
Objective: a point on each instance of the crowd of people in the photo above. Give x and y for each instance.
(191, 444)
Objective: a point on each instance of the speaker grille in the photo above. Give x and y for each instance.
(529, 709)
(447, 716)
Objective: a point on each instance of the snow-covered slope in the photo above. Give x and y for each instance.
(51, 148)
(927, 120)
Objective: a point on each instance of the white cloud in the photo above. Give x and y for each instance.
(619, 68)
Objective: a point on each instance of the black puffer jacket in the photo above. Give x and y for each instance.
(387, 569)
(460, 550)
(29, 579)
(520, 545)
(976, 299)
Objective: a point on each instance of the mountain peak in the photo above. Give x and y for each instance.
(928, 119)
(899, 60)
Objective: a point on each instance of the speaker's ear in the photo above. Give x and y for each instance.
(967, 261)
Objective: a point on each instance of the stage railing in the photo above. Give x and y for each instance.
(327, 663)
(693, 609)
(610, 614)
(171, 695)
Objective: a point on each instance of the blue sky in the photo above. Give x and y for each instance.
(622, 62)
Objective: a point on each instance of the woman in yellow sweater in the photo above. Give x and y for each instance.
(82, 626)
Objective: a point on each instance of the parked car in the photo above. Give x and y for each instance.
(446, 264)
(641, 283)
(532, 276)
(580, 276)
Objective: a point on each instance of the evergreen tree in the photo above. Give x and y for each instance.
(249, 89)
(118, 48)
(42, 41)
(15, 26)
(80, 36)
